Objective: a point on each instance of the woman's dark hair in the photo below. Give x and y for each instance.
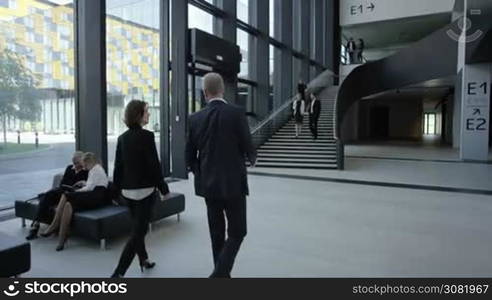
(134, 113)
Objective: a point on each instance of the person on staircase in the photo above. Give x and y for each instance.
(299, 109)
(314, 113)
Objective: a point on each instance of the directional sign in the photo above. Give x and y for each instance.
(474, 144)
(361, 9)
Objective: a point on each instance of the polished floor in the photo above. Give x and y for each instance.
(303, 228)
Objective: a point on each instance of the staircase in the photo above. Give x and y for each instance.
(283, 150)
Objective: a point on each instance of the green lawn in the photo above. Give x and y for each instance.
(19, 148)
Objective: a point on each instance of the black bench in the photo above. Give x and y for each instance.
(106, 222)
(15, 256)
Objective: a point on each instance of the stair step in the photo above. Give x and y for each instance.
(296, 152)
(285, 134)
(297, 156)
(296, 161)
(286, 139)
(304, 166)
(300, 144)
(319, 126)
(293, 140)
(304, 149)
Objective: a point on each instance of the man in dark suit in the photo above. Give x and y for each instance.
(314, 113)
(351, 47)
(218, 142)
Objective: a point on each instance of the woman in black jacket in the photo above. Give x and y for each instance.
(137, 175)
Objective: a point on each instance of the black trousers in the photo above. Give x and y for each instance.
(313, 125)
(46, 202)
(225, 250)
(141, 212)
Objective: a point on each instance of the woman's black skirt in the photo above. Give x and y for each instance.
(299, 118)
(88, 200)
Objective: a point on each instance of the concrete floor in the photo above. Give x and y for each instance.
(438, 174)
(300, 228)
(430, 148)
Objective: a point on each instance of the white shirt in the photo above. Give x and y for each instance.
(138, 194)
(217, 99)
(294, 107)
(97, 177)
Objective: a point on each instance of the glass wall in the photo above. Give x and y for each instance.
(243, 43)
(37, 103)
(272, 76)
(243, 10)
(133, 66)
(272, 17)
(200, 19)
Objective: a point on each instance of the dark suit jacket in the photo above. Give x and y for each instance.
(316, 109)
(218, 142)
(136, 163)
(70, 178)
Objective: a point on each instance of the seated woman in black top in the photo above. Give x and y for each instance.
(138, 175)
(91, 196)
(74, 177)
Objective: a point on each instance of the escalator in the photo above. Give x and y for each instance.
(434, 57)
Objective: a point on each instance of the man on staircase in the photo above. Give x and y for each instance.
(314, 113)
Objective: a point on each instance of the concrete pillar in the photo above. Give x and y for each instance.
(259, 57)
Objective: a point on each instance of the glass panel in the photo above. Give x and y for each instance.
(272, 17)
(132, 37)
(272, 75)
(243, 10)
(37, 103)
(196, 100)
(432, 124)
(243, 43)
(200, 19)
(246, 100)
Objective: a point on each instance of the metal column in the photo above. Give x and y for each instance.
(259, 56)
(91, 106)
(165, 88)
(283, 59)
(179, 87)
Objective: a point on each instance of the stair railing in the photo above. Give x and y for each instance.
(273, 122)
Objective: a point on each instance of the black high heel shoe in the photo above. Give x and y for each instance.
(61, 246)
(33, 234)
(147, 265)
(47, 234)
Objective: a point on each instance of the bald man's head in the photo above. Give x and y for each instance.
(213, 86)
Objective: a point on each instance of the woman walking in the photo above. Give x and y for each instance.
(137, 176)
(299, 108)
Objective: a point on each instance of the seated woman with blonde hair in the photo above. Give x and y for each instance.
(91, 196)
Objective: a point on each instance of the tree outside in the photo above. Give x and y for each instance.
(19, 94)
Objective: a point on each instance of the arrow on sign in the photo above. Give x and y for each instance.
(372, 7)
(477, 111)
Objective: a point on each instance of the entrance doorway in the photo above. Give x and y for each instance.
(430, 124)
